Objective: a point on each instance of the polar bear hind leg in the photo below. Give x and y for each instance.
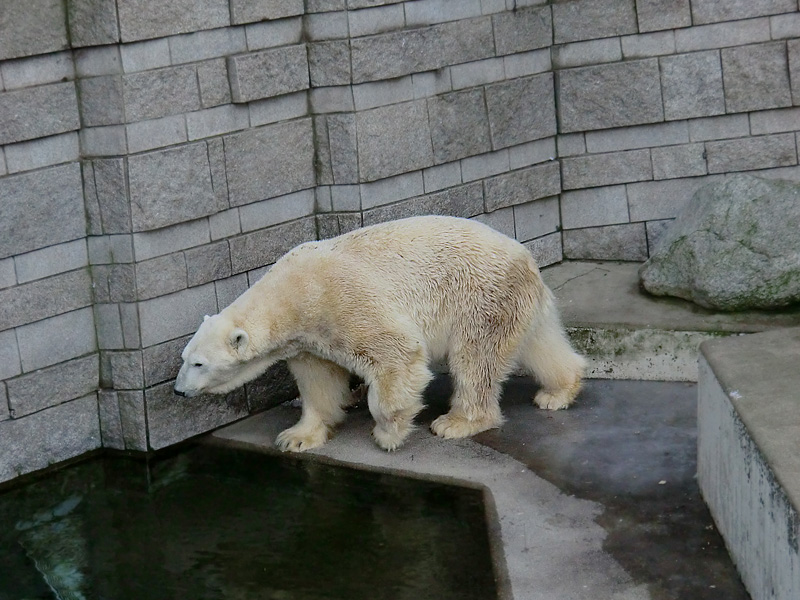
(324, 388)
(546, 353)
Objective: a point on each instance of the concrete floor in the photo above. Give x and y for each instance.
(596, 502)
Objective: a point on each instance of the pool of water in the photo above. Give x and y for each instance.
(212, 523)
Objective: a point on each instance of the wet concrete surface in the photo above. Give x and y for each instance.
(630, 446)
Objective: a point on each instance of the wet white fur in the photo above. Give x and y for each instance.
(383, 302)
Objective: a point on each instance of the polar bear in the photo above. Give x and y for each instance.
(384, 302)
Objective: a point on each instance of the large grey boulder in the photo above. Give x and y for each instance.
(736, 246)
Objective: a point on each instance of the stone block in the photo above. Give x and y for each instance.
(346, 197)
(162, 361)
(129, 316)
(170, 186)
(719, 128)
(54, 340)
(162, 92)
(691, 85)
(212, 77)
(145, 56)
(8, 276)
(591, 52)
(439, 11)
(248, 11)
(592, 19)
(595, 170)
(500, 220)
(648, 44)
(43, 152)
(48, 387)
(110, 176)
(132, 419)
(270, 161)
(713, 11)
(92, 22)
(523, 30)
(393, 139)
(572, 144)
(343, 148)
(171, 419)
(114, 283)
(522, 186)
(655, 233)
(37, 70)
(462, 201)
(485, 165)
(590, 208)
(331, 99)
(763, 152)
(156, 133)
(51, 261)
(126, 370)
(480, 72)
(175, 315)
(546, 250)
(108, 324)
(110, 422)
(756, 77)
(160, 276)
(775, 121)
(399, 53)
(793, 47)
(224, 224)
(34, 27)
(270, 34)
(441, 177)
(327, 26)
(641, 136)
(521, 110)
(672, 162)
(380, 93)
(9, 355)
(527, 63)
(663, 199)
(613, 242)
(329, 63)
(280, 108)
(722, 35)
(376, 20)
(219, 178)
(146, 19)
(538, 218)
(614, 95)
(656, 15)
(101, 100)
(333, 224)
(459, 125)
(108, 140)
(431, 83)
(94, 62)
(388, 190)
(150, 244)
(38, 111)
(231, 288)
(203, 45)
(532, 153)
(41, 208)
(216, 121)
(208, 263)
(41, 439)
(268, 73)
(264, 247)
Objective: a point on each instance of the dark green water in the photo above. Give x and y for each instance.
(214, 523)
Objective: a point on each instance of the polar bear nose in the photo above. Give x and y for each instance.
(179, 392)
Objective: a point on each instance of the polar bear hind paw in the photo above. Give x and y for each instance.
(301, 438)
(453, 426)
(554, 400)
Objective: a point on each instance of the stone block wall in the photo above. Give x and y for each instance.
(156, 157)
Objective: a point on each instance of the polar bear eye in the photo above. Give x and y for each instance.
(197, 364)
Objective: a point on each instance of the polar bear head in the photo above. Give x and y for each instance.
(217, 359)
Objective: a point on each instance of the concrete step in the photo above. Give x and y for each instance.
(749, 455)
(627, 334)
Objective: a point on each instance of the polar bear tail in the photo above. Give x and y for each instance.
(548, 356)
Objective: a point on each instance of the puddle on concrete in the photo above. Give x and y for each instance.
(213, 523)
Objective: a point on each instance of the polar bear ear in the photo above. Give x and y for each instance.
(206, 318)
(239, 339)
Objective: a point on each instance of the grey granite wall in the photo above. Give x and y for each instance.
(156, 156)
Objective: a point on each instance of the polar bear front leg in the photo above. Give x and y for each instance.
(324, 388)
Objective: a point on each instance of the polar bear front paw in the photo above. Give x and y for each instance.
(389, 438)
(553, 400)
(301, 438)
(452, 426)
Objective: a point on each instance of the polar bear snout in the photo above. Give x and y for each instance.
(179, 392)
